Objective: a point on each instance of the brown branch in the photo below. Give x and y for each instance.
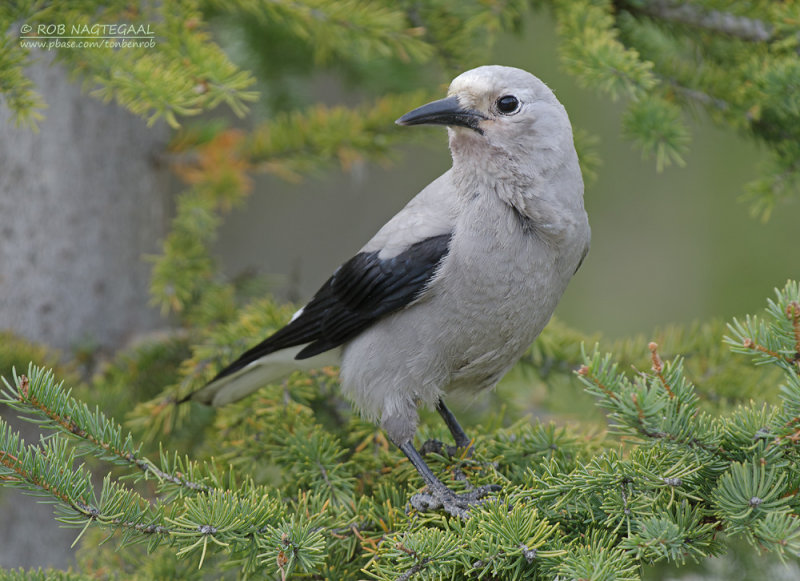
(693, 442)
(696, 94)
(12, 463)
(658, 367)
(741, 27)
(793, 313)
(794, 437)
(750, 344)
(639, 409)
(584, 371)
(417, 567)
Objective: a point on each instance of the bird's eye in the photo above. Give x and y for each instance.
(507, 104)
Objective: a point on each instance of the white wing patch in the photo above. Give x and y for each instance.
(297, 314)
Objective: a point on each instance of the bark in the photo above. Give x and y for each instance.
(81, 203)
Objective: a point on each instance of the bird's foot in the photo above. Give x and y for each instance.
(455, 504)
(433, 446)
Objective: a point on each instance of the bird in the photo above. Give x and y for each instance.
(453, 289)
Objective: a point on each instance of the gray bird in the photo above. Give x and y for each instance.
(454, 288)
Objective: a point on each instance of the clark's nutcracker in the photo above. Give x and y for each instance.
(455, 287)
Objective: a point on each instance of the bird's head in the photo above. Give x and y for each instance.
(500, 113)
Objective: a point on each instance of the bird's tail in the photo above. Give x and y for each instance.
(268, 369)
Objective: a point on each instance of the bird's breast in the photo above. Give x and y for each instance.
(498, 288)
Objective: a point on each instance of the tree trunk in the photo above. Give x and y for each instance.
(81, 203)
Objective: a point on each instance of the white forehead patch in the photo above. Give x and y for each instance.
(491, 80)
(475, 82)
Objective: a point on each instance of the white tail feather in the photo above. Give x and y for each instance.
(269, 369)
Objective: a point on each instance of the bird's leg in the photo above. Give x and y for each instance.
(439, 495)
(463, 442)
(459, 435)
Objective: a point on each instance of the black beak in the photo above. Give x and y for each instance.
(443, 112)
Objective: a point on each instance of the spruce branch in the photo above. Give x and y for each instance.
(25, 466)
(233, 521)
(742, 27)
(739, 63)
(655, 125)
(342, 29)
(661, 406)
(571, 505)
(241, 521)
(775, 337)
(181, 73)
(750, 455)
(38, 394)
(696, 95)
(592, 51)
(42, 575)
(16, 89)
(47, 470)
(291, 144)
(658, 368)
(793, 314)
(763, 489)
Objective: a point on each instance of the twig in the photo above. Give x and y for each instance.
(12, 463)
(658, 367)
(750, 344)
(747, 29)
(639, 409)
(79, 506)
(416, 568)
(584, 371)
(793, 314)
(696, 94)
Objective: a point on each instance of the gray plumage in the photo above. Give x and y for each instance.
(456, 286)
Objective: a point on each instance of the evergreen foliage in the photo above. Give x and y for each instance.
(736, 61)
(292, 484)
(289, 483)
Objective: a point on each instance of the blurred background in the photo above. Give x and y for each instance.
(667, 247)
(88, 197)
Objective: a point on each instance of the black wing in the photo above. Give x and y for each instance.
(362, 290)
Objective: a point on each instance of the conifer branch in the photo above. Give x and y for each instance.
(793, 314)
(697, 95)
(16, 89)
(48, 470)
(644, 502)
(23, 476)
(63, 413)
(748, 29)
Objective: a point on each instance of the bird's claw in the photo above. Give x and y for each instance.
(433, 446)
(454, 504)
